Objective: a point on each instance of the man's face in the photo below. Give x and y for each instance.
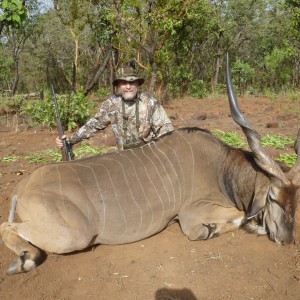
(128, 89)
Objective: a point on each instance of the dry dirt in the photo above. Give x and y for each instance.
(166, 266)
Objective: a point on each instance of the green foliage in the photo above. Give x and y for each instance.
(277, 64)
(289, 159)
(50, 155)
(220, 88)
(86, 150)
(74, 110)
(242, 74)
(10, 158)
(234, 140)
(102, 92)
(6, 63)
(294, 5)
(277, 141)
(293, 95)
(17, 103)
(230, 138)
(186, 40)
(196, 88)
(13, 12)
(46, 156)
(270, 94)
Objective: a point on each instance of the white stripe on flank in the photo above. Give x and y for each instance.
(142, 188)
(130, 190)
(193, 163)
(44, 198)
(115, 194)
(154, 187)
(178, 185)
(60, 189)
(168, 176)
(84, 192)
(183, 194)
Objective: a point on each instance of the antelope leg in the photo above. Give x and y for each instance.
(204, 221)
(29, 255)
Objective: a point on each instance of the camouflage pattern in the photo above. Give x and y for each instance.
(153, 121)
(127, 74)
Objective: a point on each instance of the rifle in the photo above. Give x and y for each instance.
(66, 151)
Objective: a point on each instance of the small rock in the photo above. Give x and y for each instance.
(200, 116)
(272, 125)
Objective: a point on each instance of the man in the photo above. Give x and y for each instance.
(136, 118)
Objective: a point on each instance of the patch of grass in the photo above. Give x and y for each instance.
(288, 159)
(230, 138)
(86, 150)
(294, 95)
(46, 156)
(292, 109)
(50, 155)
(10, 158)
(277, 141)
(271, 95)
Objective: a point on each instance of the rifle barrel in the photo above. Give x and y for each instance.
(67, 153)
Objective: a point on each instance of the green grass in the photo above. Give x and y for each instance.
(46, 156)
(277, 141)
(86, 150)
(288, 159)
(50, 155)
(273, 141)
(230, 138)
(11, 158)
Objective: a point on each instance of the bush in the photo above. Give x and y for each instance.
(242, 74)
(197, 89)
(74, 110)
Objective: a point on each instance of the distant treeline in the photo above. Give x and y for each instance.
(178, 46)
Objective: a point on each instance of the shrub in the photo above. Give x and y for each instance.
(74, 110)
(197, 89)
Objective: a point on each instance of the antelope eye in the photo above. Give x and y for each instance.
(271, 198)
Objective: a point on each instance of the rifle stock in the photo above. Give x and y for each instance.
(66, 151)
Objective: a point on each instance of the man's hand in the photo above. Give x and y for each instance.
(59, 141)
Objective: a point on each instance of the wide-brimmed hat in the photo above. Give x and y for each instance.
(127, 74)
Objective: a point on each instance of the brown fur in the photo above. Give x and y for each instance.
(124, 197)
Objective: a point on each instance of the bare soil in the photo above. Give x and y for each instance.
(167, 266)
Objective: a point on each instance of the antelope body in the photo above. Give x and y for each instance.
(188, 175)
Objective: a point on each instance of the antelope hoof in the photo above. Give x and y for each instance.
(22, 264)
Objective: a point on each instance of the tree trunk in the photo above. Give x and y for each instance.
(153, 80)
(16, 80)
(215, 78)
(74, 73)
(16, 63)
(95, 79)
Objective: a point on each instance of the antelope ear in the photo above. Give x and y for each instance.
(262, 184)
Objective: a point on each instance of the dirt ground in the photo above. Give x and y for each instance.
(167, 266)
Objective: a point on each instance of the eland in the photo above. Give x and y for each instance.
(187, 175)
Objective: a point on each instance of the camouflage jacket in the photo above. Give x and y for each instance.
(131, 123)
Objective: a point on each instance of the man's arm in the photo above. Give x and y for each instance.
(161, 123)
(99, 122)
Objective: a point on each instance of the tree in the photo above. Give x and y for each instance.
(178, 46)
(18, 30)
(163, 32)
(12, 13)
